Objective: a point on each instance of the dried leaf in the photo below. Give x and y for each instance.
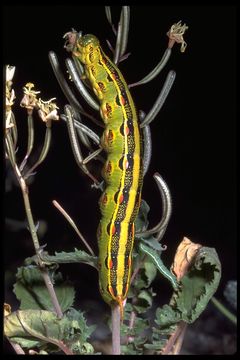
(184, 257)
(7, 309)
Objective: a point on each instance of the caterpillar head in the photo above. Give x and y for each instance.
(87, 49)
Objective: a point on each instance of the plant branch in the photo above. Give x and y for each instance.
(174, 343)
(32, 229)
(116, 348)
(17, 348)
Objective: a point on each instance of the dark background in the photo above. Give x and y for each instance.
(194, 136)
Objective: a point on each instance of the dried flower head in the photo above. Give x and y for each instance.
(7, 309)
(47, 110)
(10, 95)
(29, 100)
(175, 34)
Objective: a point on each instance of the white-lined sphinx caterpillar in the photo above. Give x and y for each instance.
(121, 139)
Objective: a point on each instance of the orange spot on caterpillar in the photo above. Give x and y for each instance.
(133, 229)
(113, 229)
(129, 264)
(110, 264)
(121, 198)
(127, 130)
(122, 100)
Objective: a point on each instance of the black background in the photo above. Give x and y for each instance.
(194, 136)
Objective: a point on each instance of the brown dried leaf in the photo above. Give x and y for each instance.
(7, 309)
(186, 252)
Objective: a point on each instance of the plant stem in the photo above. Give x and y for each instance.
(71, 222)
(224, 310)
(32, 228)
(175, 339)
(33, 232)
(17, 348)
(116, 348)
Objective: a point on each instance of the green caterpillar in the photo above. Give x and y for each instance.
(123, 170)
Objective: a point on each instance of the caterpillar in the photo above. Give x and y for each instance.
(122, 171)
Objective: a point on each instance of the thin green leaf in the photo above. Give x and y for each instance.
(153, 255)
(80, 86)
(155, 71)
(160, 99)
(108, 14)
(125, 19)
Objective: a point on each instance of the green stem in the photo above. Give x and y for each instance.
(224, 310)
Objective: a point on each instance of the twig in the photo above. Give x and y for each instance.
(17, 348)
(71, 222)
(172, 341)
(33, 231)
(179, 340)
